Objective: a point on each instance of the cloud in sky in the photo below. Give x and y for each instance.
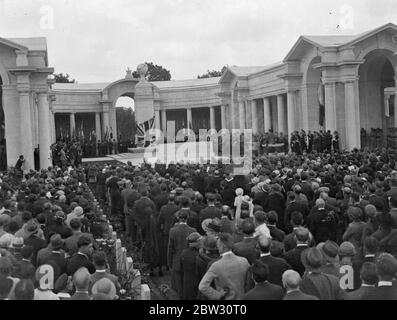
(96, 40)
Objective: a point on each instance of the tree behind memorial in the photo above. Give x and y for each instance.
(63, 78)
(212, 73)
(125, 118)
(155, 73)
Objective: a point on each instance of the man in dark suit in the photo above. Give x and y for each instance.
(292, 207)
(211, 211)
(192, 217)
(166, 221)
(227, 225)
(293, 257)
(291, 282)
(277, 266)
(263, 290)
(129, 196)
(290, 239)
(100, 264)
(369, 279)
(31, 230)
(140, 211)
(56, 255)
(316, 283)
(24, 266)
(276, 233)
(247, 247)
(177, 242)
(386, 266)
(82, 257)
(81, 281)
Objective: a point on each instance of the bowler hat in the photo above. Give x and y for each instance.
(330, 251)
(209, 243)
(312, 258)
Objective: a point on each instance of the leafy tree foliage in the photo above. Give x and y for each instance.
(212, 73)
(125, 118)
(61, 78)
(155, 73)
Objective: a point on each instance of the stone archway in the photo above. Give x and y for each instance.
(375, 75)
(125, 118)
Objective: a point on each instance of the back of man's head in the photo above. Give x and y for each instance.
(248, 227)
(81, 279)
(24, 290)
(291, 279)
(296, 219)
(320, 203)
(260, 271)
(272, 217)
(75, 224)
(371, 245)
(386, 265)
(260, 217)
(27, 252)
(368, 273)
(302, 235)
(184, 201)
(99, 259)
(225, 242)
(83, 241)
(264, 244)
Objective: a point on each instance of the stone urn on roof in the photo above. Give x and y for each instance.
(142, 70)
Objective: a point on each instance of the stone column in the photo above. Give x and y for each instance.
(267, 115)
(241, 113)
(106, 125)
(232, 122)
(98, 130)
(330, 106)
(254, 116)
(282, 126)
(44, 131)
(395, 103)
(164, 122)
(212, 117)
(352, 138)
(52, 122)
(26, 129)
(248, 114)
(223, 117)
(291, 113)
(72, 125)
(157, 120)
(189, 118)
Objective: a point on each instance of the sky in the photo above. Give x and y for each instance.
(96, 40)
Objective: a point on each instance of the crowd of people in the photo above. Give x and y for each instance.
(71, 152)
(48, 222)
(322, 226)
(319, 226)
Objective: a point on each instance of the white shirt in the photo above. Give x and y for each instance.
(226, 253)
(45, 295)
(262, 230)
(265, 254)
(385, 284)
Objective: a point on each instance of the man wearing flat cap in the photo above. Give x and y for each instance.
(316, 283)
(176, 243)
(188, 266)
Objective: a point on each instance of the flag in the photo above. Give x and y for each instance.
(143, 127)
